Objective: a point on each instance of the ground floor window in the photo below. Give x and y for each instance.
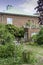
(34, 33)
(25, 35)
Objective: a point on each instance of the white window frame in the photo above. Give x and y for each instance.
(9, 20)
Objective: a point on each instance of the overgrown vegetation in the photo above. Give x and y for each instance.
(16, 31)
(5, 36)
(9, 53)
(8, 33)
(40, 37)
(6, 51)
(17, 54)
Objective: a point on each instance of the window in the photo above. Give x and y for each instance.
(33, 24)
(34, 33)
(9, 20)
(25, 35)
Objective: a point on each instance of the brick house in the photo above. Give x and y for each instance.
(20, 20)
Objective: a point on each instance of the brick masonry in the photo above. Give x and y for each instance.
(20, 20)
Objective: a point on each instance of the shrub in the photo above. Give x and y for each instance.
(18, 54)
(15, 55)
(7, 61)
(11, 54)
(16, 31)
(6, 51)
(21, 32)
(12, 29)
(40, 37)
(34, 38)
(5, 36)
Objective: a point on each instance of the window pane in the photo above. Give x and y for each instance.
(9, 20)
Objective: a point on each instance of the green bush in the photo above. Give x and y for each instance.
(34, 38)
(5, 36)
(40, 37)
(16, 31)
(11, 54)
(18, 54)
(6, 51)
(12, 29)
(7, 61)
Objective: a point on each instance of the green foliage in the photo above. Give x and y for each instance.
(16, 31)
(23, 56)
(40, 37)
(9, 32)
(5, 36)
(28, 24)
(34, 37)
(21, 32)
(6, 51)
(28, 57)
(7, 54)
(18, 54)
(12, 29)
(7, 61)
(11, 54)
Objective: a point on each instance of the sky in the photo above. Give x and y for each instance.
(26, 6)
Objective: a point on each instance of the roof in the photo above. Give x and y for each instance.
(15, 11)
(18, 14)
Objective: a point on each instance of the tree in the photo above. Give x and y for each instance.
(40, 10)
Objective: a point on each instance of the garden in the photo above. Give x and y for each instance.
(30, 53)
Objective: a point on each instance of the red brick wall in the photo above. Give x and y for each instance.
(18, 20)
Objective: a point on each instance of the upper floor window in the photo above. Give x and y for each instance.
(9, 20)
(33, 22)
